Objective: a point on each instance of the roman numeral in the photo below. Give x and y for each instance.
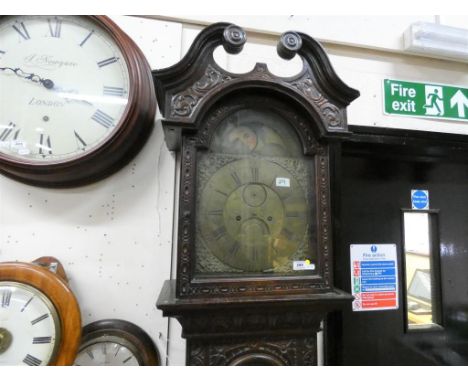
(113, 91)
(6, 298)
(39, 319)
(86, 38)
(55, 27)
(44, 145)
(254, 173)
(103, 119)
(31, 361)
(216, 212)
(219, 233)
(5, 133)
(21, 29)
(90, 354)
(79, 141)
(234, 249)
(222, 193)
(236, 178)
(7, 130)
(107, 61)
(26, 305)
(115, 355)
(128, 359)
(42, 340)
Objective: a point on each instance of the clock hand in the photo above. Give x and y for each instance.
(47, 83)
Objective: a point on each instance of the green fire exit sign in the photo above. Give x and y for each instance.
(416, 99)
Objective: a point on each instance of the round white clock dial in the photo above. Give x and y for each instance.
(108, 351)
(29, 326)
(68, 87)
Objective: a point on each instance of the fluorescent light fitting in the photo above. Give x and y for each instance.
(435, 40)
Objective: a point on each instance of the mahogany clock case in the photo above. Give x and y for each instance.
(56, 289)
(119, 147)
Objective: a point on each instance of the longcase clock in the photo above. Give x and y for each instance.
(254, 263)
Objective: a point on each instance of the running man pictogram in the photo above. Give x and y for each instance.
(435, 102)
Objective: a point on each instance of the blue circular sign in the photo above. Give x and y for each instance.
(373, 248)
(420, 199)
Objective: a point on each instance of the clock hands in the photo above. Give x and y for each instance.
(47, 83)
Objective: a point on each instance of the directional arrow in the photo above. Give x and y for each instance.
(461, 101)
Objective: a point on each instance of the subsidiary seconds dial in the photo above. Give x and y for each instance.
(69, 90)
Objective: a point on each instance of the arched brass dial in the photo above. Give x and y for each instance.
(253, 214)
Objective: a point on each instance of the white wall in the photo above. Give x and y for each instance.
(115, 237)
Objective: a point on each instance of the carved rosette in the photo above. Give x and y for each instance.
(234, 38)
(289, 44)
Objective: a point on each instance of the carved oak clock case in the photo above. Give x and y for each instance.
(254, 209)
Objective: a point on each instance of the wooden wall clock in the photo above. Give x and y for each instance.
(77, 101)
(40, 321)
(116, 343)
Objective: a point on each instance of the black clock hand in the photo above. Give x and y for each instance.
(48, 84)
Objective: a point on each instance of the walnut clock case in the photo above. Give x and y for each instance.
(40, 320)
(255, 254)
(76, 99)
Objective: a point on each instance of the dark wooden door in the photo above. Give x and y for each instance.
(373, 186)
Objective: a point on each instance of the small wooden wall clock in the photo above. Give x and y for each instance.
(76, 101)
(116, 343)
(40, 321)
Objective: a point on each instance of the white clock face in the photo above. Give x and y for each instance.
(64, 87)
(29, 326)
(109, 351)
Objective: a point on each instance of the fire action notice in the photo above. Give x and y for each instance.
(374, 277)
